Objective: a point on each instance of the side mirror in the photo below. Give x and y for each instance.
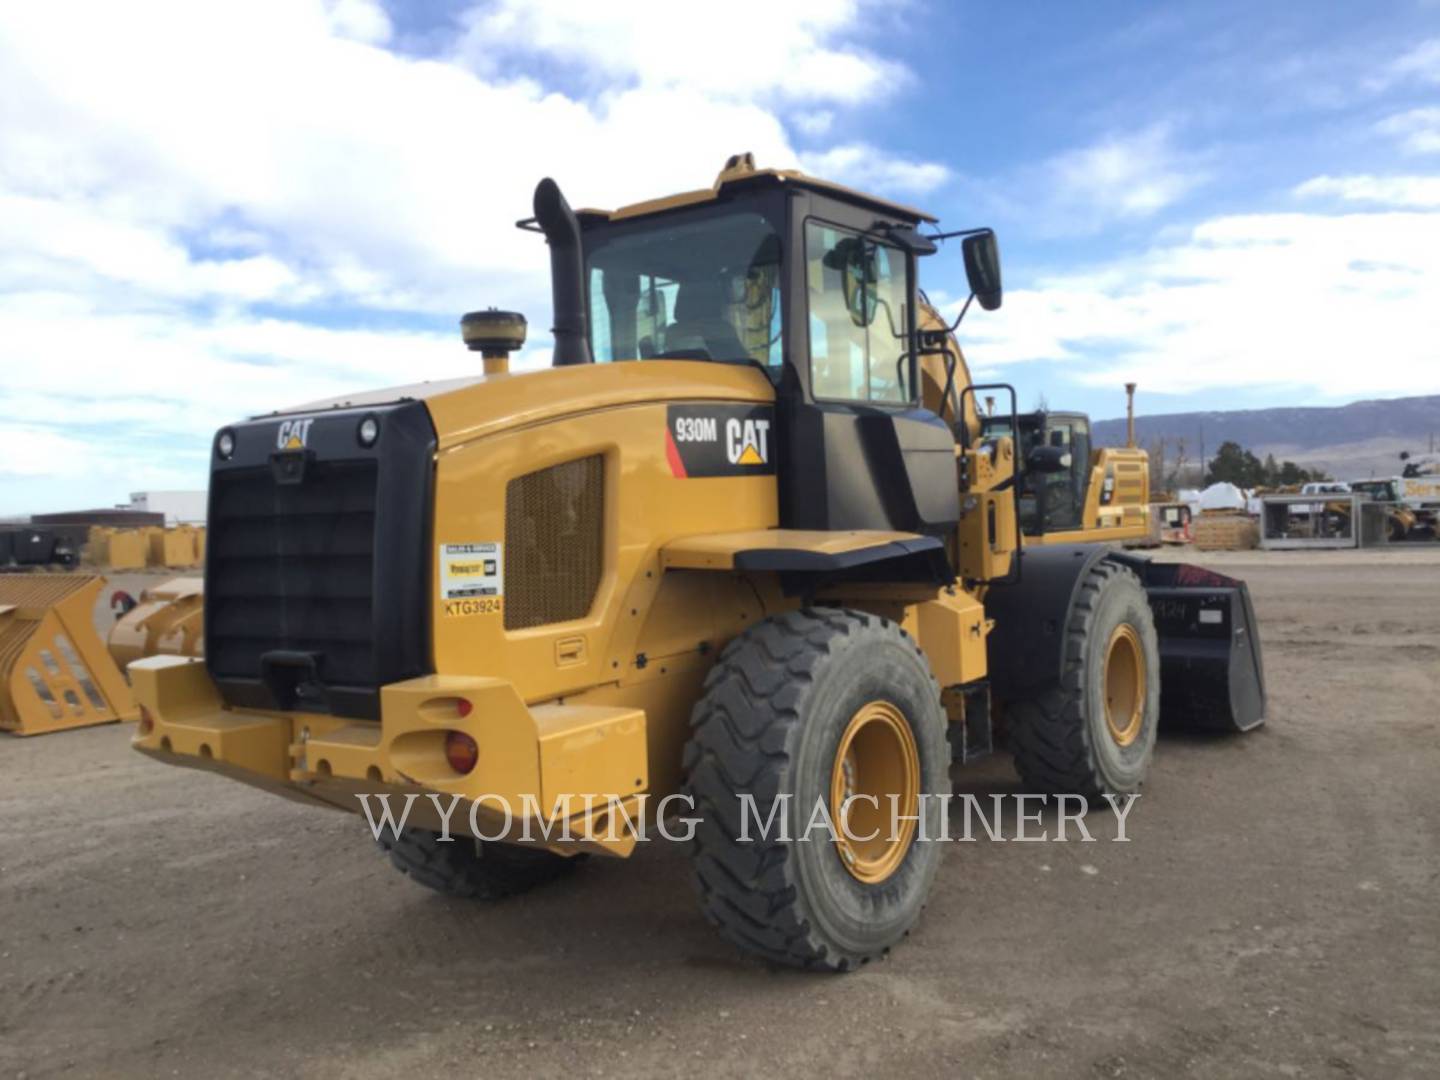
(856, 261)
(1048, 459)
(982, 268)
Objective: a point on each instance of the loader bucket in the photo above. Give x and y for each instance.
(168, 620)
(1212, 676)
(54, 671)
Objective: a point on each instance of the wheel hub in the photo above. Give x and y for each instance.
(877, 767)
(1124, 683)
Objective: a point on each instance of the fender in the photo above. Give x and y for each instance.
(809, 559)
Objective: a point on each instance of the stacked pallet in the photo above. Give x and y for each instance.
(1224, 531)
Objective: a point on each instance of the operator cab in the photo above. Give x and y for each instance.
(813, 284)
(1055, 447)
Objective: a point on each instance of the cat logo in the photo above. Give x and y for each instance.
(293, 434)
(747, 441)
(719, 440)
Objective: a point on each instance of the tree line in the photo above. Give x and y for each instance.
(1233, 464)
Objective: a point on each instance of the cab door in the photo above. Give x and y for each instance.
(860, 453)
(1061, 495)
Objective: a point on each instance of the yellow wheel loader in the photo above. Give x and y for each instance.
(742, 558)
(1096, 494)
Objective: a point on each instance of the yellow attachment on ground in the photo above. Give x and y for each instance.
(173, 548)
(125, 549)
(169, 620)
(54, 671)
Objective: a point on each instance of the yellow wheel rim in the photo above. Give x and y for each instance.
(1124, 682)
(876, 766)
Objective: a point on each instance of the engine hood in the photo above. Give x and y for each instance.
(487, 406)
(475, 406)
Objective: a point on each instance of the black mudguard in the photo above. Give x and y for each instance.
(1212, 676)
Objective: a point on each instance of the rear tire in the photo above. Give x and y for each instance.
(1090, 735)
(473, 869)
(821, 705)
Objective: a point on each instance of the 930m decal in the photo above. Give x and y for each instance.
(719, 440)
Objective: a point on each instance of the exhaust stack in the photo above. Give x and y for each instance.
(1130, 415)
(562, 233)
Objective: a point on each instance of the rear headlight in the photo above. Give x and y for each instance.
(368, 431)
(461, 752)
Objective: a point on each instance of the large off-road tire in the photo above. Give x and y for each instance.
(1094, 734)
(815, 706)
(473, 869)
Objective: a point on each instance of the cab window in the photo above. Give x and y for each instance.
(859, 308)
(706, 289)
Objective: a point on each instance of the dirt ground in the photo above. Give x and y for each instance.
(1276, 913)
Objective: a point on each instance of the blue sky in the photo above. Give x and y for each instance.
(211, 210)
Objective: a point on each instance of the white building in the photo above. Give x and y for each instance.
(179, 507)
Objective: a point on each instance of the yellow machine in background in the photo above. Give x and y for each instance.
(1093, 493)
(167, 620)
(747, 537)
(54, 671)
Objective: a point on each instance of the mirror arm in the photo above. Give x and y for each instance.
(968, 300)
(957, 232)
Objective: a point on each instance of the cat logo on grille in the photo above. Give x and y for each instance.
(293, 434)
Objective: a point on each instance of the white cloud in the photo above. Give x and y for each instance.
(52, 240)
(745, 50)
(359, 20)
(1422, 62)
(814, 123)
(869, 168)
(371, 176)
(1337, 306)
(1130, 175)
(176, 165)
(1417, 129)
(1417, 191)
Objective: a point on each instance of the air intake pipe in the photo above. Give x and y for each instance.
(562, 233)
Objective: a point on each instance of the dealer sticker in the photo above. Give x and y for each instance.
(472, 578)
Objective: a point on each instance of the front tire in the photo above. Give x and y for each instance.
(1094, 734)
(819, 707)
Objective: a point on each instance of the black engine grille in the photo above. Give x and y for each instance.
(314, 590)
(292, 569)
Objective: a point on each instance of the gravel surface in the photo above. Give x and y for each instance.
(1276, 913)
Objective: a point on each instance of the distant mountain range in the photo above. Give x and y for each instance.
(1349, 442)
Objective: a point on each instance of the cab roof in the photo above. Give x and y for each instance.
(740, 171)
